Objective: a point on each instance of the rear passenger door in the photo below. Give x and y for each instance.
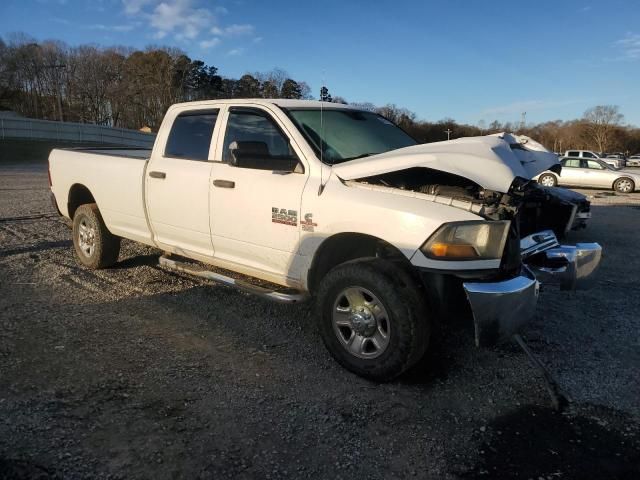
(177, 183)
(572, 173)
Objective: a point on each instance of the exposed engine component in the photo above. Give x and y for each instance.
(533, 206)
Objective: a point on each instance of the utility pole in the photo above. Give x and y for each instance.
(448, 131)
(523, 120)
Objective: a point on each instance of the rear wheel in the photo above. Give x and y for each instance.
(95, 246)
(624, 185)
(372, 318)
(548, 180)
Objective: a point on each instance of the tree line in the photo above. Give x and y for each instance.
(119, 86)
(128, 88)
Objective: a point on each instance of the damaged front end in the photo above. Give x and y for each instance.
(503, 299)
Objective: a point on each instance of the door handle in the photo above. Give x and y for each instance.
(224, 184)
(158, 175)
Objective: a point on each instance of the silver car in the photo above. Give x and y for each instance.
(633, 161)
(587, 172)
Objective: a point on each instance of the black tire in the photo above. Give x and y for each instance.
(548, 178)
(624, 185)
(403, 300)
(98, 248)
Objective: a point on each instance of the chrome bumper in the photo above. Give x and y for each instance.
(500, 309)
(571, 267)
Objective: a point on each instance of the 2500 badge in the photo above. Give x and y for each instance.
(284, 216)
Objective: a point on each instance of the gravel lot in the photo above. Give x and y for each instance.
(135, 372)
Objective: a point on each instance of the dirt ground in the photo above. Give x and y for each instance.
(135, 372)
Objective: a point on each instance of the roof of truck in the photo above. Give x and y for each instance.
(282, 102)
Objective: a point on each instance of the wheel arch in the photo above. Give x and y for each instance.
(346, 246)
(622, 177)
(550, 172)
(78, 195)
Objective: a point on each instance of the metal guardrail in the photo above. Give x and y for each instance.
(29, 128)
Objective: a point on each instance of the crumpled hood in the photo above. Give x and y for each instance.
(490, 161)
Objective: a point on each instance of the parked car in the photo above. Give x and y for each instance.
(634, 160)
(594, 173)
(328, 201)
(614, 162)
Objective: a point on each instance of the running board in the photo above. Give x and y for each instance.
(192, 269)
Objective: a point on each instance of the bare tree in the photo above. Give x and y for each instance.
(600, 122)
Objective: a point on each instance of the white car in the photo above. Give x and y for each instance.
(328, 201)
(633, 161)
(591, 173)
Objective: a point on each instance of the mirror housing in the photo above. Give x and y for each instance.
(256, 155)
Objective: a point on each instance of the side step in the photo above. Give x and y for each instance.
(289, 296)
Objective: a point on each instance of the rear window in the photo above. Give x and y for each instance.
(190, 135)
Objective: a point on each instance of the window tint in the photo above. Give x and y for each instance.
(573, 154)
(190, 135)
(255, 136)
(588, 155)
(594, 165)
(571, 163)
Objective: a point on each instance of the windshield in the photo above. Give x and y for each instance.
(341, 135)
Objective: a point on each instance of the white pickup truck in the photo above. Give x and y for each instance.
(312, 199)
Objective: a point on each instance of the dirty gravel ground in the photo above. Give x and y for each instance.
(135, 372)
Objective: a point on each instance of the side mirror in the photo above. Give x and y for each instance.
(256, 155)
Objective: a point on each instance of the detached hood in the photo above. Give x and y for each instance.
(491, 161)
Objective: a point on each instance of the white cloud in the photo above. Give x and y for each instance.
(134, 6)
(235, 52)
(206, 44)
(233, 30)
(257, 40)
(184, 20)
(630, 46)
(110, 28)
(179, 17)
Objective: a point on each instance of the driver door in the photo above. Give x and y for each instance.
(256, 194)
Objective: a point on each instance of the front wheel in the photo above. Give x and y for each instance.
(548, 180)
(624, 185)
(95, 246)
(372, 318)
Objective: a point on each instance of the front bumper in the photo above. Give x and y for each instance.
(500, 309)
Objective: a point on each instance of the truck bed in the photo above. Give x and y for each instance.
(115, 179)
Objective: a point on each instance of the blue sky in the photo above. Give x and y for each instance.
(468, 60)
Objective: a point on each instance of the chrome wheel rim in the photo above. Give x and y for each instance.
(361, 323)
(547, 181)
(624, 185)
(86, 237)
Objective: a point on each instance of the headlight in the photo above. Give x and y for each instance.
(474, 240)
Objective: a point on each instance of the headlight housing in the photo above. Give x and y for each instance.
(473, 240)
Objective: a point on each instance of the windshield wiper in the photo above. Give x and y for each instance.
(358, 156)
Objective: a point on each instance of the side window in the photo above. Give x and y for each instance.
(588, 155)
(571, 163)
(190, 135)
(573, 154)
(253, 140)
(593, 165)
